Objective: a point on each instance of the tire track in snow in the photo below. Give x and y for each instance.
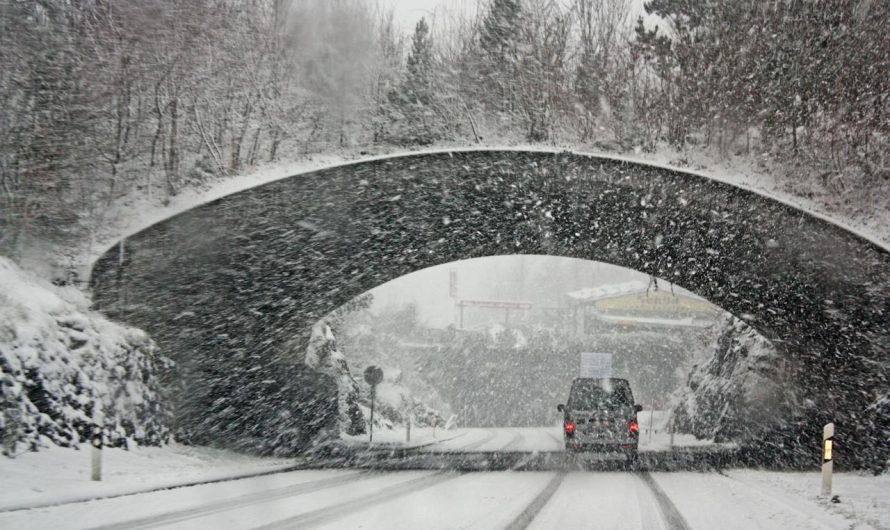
(237, 502)
(475, 445)
(537, 504)
(327, 514)
(517, 440)
(561, 441)
(671, 514)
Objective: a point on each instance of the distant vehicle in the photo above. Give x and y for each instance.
(601, 416)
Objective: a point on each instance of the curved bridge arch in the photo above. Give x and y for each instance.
(245, 274)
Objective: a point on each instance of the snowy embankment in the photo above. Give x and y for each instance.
(133, 213)
(58, 360)
(60, 475)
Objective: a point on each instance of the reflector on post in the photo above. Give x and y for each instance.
(827, 458)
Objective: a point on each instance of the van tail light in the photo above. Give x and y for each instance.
(633, 426)
(569, 427)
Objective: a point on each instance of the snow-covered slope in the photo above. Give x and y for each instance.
(57, 358)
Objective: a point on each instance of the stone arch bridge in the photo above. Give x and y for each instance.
(231, 288)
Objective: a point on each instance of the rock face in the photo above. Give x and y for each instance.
(323, 355)
(58, 359)
(739, 392)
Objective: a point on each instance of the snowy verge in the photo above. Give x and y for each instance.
(747, 498)
(863, 499)
(59, 475)
(742, 175)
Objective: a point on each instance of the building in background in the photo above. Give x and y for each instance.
(635, 306)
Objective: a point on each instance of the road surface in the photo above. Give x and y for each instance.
(433, 498)
(339, 499)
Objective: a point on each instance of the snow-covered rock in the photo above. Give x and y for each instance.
(323, 355)
(58, 359)
(738, 392)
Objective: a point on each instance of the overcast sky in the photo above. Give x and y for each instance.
(408, 12)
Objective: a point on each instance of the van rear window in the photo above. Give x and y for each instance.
(589, 396)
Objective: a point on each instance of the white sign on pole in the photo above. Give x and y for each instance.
(596, 365)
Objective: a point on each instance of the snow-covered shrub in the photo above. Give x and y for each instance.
(57, 359)
(395, 404)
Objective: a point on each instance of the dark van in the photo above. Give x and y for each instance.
(601, 416)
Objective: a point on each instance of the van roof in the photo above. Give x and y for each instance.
(612, 379)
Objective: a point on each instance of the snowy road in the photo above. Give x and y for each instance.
(562, 492)
(519, 439)
(446, 499)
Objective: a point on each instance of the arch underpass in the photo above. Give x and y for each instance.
(230, 289)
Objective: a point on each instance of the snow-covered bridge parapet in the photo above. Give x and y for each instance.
(238, 278)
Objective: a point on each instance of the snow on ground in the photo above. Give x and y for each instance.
(248, 503)
(655, 433)
(522, 439)
(437, 500)
(397, 437)
(763, 499)
(57, 475)
(476, 500)
(864, 499)
(601, 500)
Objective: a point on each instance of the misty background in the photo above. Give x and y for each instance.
(541, 280)
(511, 368)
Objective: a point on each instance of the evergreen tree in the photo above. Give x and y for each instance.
(414, 116)
(419, 77)
(498, 55)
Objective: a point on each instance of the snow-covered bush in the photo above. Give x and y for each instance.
(57, 359)
(395, 404)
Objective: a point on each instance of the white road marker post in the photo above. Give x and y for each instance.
(827, 458)
(98, 421)
(408, 420)
(671, 427)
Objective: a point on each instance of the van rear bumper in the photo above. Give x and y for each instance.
(580, 445)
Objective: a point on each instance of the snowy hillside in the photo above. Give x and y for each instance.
(57, 358)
